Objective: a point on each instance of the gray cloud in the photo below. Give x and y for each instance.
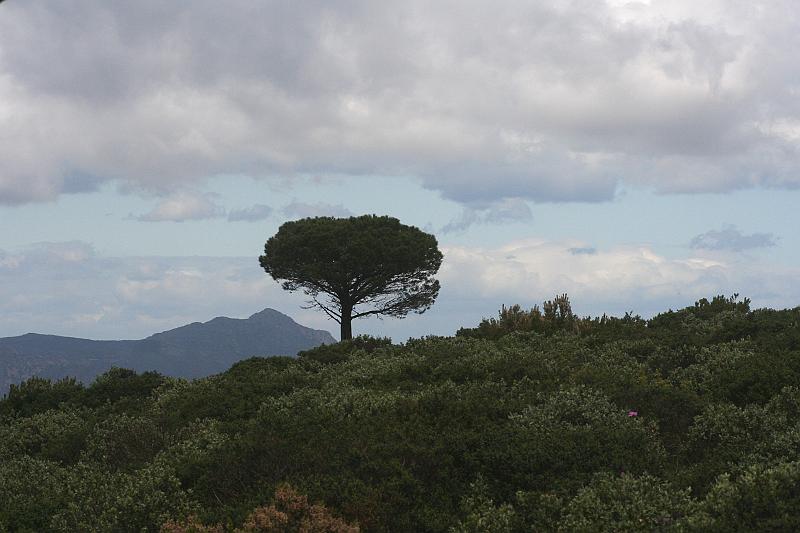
(508, 210)
(503, 211)
(467, 218)
(526, 100)
(184, 206)
(320, 209)
(730, 238)
(80, 182)
(582, 250)
(250, 214)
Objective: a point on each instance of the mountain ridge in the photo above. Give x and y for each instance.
(192, 350)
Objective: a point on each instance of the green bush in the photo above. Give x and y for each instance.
(567, 435)
(36, 395)
(123, 386)
(760, 498)
(31, 491)
(627, 503)
(125, 442)
(336, 353)
(58, 435)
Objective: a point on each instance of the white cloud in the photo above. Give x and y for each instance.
(70, 292)
(614, 280)
(541, 101)
(184, 206)
(55, 256)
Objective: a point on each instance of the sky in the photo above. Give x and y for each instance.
(637, 156)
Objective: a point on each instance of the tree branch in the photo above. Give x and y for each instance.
(382, 310)
(330, 312)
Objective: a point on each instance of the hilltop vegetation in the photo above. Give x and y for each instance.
(535, 420)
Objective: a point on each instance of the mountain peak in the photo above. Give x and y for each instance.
(191, 351)
(268, 313)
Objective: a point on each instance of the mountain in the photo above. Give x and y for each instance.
(190, 351)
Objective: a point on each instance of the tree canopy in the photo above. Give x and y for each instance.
(355, 267)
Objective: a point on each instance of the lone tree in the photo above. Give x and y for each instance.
(355, 267)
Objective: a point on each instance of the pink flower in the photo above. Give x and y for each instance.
(633, 413)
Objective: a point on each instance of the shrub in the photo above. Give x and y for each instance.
(627, 503)
(336, 353)
(58, 435)
(289, 511)
(124, 386)
(125, 442)
(36, 395)
(569, 434)
(31, 491)
(482, 515)
(761, 498)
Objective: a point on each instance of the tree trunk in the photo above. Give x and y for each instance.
(347, 329)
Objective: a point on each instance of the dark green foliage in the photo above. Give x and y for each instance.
(534, 422)
(122, 385)
(481, 513)
(366, 265)
(35, 395)
(56, 435)
(627, 503)
(336, 353)
(30, 493)
(760, 498)
(124, 442)
(234, 396)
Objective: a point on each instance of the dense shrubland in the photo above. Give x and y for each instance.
(535, 420)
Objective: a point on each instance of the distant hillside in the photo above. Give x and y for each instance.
(191, 351)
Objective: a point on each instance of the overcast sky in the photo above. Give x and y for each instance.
(635, 155)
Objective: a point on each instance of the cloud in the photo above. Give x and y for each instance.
(320, 209)
(730, 238)
(508, 210)
(504, 211)
(49, 253)
(250, 214)
(57, 257)
(468, 218)
(614, 280)
(69, 289)
(184, 206)
(539, 101)
(582, 250)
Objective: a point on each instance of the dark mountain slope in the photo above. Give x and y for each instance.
(194, 350)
